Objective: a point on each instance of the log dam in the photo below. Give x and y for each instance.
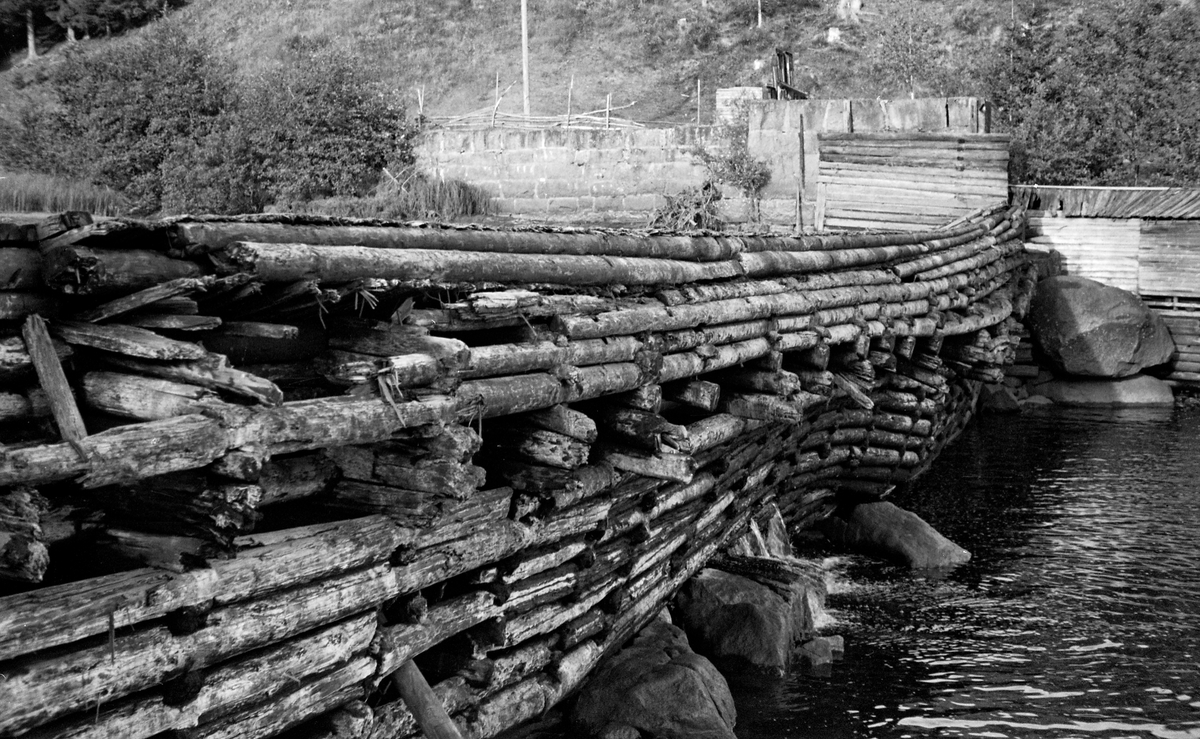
(253, 468)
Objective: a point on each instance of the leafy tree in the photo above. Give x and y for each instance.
(1107, 95)
(318, 129)
(124, 108)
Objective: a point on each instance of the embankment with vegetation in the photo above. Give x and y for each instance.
(239, 106)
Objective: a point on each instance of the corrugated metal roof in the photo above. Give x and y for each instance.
(1110, 202)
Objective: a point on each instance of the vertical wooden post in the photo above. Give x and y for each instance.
(697, 101)
(570, 89)
(800, 189)
(54, 381)
(424, 704)
(607, 108)
(525, 51)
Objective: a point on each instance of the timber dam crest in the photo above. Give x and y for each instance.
(294, 460)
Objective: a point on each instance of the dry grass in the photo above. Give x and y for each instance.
(31, 193)
(408, 197)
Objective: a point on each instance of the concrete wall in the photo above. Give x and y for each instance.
(581, 175)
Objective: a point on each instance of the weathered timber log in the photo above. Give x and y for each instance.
(24, 556)
(227, 688)
(210, 372)
(781, 383)
(136, 661)
(398, 340)
(15, 361)
(633, 320)
(270, 563)
(563, 420)
(394, 464)
(642, 428)
(154, 294)
(54, 382)
(31, 403)
(700, 394)
(537, 561)
(288, 262)
(407, 507)
(763, 264)
(126, 340)
(312, 698)
(205, 237)
(410, 370)
(539, 446)
(713, 431)
(172, 322)
(85, 271)
(661, 466)
(424, 704)
(60, 223)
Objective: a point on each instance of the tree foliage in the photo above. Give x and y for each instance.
(163, 120)
(1108, 94)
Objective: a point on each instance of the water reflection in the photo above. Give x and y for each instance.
(1079, 614)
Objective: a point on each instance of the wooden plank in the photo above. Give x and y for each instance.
(53, 379)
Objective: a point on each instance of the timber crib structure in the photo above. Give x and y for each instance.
(252, 468)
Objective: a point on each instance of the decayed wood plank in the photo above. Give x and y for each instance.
(127, 340)
(54, 381)
(227, 688)
(211, 371)
(146, 297)
(43, 688)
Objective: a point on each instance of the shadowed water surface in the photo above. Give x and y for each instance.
(1078, 616)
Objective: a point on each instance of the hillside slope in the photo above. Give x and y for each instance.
(650, 54)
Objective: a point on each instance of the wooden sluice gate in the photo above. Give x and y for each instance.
(252, 468)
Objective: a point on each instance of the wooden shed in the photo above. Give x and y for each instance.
(1142, 239)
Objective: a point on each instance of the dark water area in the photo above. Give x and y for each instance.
(1078, 616)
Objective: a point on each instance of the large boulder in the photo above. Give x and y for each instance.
(741, 624)
(657, 686)
(1087, 328)
(1136, 390)
(888, 531)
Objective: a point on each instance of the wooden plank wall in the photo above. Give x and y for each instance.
(907, 180)
(1169, 259)
(1101, 249)
(1158, 260)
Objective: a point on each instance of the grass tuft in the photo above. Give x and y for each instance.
(29, 192)
(412, 195)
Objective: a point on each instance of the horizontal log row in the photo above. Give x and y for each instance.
(503, 483)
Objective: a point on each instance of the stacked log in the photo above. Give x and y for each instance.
(300, 458)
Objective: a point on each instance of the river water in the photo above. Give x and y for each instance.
(1078, 616)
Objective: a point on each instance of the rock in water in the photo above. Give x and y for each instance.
(739, 623)
(1087, 328)
(1136, 390)
(657, 686)
(888, 531)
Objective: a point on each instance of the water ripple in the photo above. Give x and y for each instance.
(1078, 615)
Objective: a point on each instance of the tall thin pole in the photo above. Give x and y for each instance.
(525, 50)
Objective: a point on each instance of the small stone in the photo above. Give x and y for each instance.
(837, 644)
(998, 399)
(888, 531)
(817, 651)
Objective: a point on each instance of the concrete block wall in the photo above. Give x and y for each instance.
(585, 175)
